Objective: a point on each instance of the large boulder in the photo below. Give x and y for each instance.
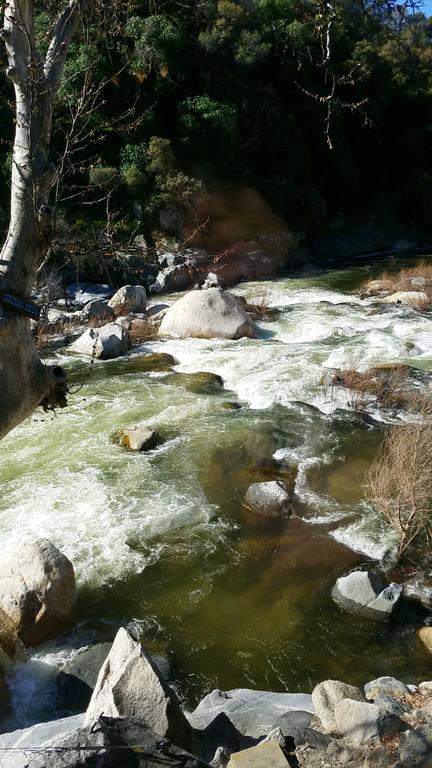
(97, 311)
(130, 686)
(425, 637)
(253, 713)
(37, 593)
(360, 722)
(213, 313)
(102, 343)
(409, 298)
(364, 593)
(326, 695)
(129, 299)
(270, 499)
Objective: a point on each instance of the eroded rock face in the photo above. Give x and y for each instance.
(37, 593)
(270, 499)
(326, 695)
(130, 686)
(104, 343)
(129, 299)
(213, 313)
(365, 593)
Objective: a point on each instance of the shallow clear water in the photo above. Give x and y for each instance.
(162, 539)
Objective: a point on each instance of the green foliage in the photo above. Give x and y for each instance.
(160, 159)
(134, 179)
(201, 112)
(177, 190)
(103, 176)
(133, 155)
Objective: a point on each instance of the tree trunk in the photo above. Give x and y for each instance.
(25, 382)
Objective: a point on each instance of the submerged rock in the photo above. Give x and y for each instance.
(129, 299)
(37, 593)
(130, 686)
(104, 343)
(209, 314)
(326, 695)
(154, 361)
(271, 499)
(201, 383)
(139, 438)
(364, 593)
(77, 677)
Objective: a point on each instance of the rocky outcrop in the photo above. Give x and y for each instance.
(364, 593)
(270, 499)
(253, 713)
(104, 343)
(139, 438)
(326, 695)
(37, 593)
(129, 299)
(130, 686)
(213, 313)
(385, 686)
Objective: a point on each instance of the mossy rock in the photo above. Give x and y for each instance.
(201, 383)
(155, 361)
(231, 406)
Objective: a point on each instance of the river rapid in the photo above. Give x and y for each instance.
(162, 542)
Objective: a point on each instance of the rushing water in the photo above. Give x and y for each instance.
(163, 540)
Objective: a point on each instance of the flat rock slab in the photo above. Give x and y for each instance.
(262, 756)
(39, 734)
(253, 713)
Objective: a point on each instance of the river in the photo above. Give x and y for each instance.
(162, 540)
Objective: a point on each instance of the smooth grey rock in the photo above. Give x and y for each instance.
(221, 758)
(129, 299)
(364, 593)
(360, 722)
(419, 281)
(130, 685)
(213, 313)
(97, 310)
(254, 713)
(385, 686)
(293, 719)
(82, 293)
(39, 734)
(270, 499)
(104, 343)
(327, 694)
(37, 593)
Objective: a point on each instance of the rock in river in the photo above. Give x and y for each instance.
(365, 593)
(209, 314)
(104, 343)
(270, 499)
(139, 438)
(129, 299)
(37, 593)
(130, 686)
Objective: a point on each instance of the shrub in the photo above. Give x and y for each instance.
(400, 485)
(101, 176)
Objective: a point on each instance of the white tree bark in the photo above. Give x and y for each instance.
(25, 382)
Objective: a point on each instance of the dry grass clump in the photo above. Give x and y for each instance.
(386, 386)
(391, 282)
(141, 331)
(400, 484)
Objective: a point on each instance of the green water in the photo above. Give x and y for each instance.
(163, 539)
